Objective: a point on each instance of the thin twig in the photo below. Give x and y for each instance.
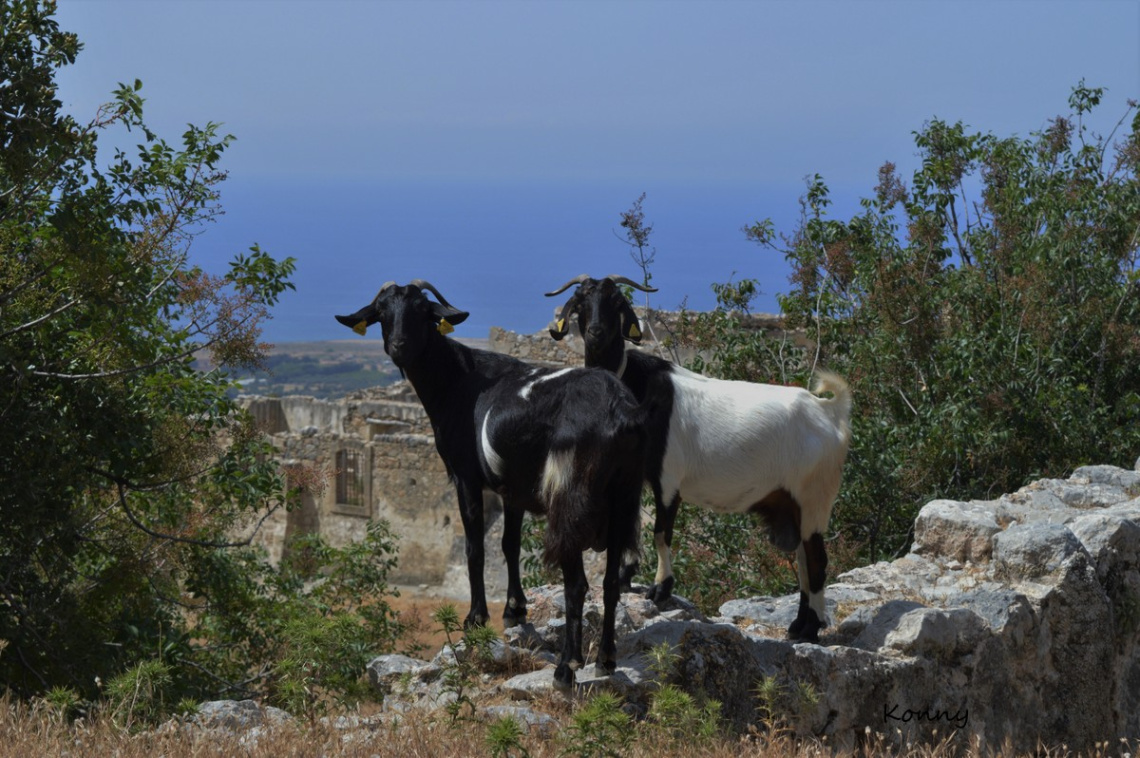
(187, 540)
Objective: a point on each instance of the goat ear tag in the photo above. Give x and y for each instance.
(634, 333)
(561, 325)
(445, 327)
(361, 328)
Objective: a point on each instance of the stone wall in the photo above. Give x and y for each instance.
(404, 482)
(542, 349)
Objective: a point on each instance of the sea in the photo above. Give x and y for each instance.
(493, 249)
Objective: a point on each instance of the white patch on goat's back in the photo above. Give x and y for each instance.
(494, 460)
(556, 473)
(731, 443)
(524, 393)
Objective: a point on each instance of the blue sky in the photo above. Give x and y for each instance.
(490, 146)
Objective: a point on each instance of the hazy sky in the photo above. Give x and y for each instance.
(489, 146)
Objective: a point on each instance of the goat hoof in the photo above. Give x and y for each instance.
(803, 636)
(514, 619)
(605, 668)
(660, 593)
(474, 620)
(563, 678)
(805, 628)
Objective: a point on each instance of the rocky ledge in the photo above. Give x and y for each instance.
(1014, 619)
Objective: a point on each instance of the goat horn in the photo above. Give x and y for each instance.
(426, 285)
(383, 287)
(636, 285)
(576, 280)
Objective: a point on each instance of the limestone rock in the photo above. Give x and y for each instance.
(1014, 620)
(962, 531)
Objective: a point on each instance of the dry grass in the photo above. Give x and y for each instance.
(26, 731)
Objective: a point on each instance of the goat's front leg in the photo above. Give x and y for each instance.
(662, 588)
(575, 585)
(811, 559)
(471, 513)
(515, 611)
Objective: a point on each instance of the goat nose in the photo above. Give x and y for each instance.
(395, 347)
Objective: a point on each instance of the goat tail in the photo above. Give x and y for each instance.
(839, 406)
(592, 491)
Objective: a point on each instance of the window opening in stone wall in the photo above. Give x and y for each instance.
(349, 478)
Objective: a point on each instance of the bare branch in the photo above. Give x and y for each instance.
(120, 486)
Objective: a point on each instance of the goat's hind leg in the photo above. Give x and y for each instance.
(515, 611)
(575, 586)
(812, 563)
(611, 592)
(662, 588)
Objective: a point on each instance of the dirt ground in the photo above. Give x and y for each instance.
(418, 609)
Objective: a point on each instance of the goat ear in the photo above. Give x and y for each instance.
(448, 317)
(358, 321)
(562, 326)
(560, 329)
(630, 329)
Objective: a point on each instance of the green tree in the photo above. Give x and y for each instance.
(987, 317)
(124, 470)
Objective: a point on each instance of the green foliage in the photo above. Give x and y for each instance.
(661, 660)
(461, 672)
(125, 471)
(139, 693)
(986, 317)
(504, 738)
(733, 350)
(301, 634)
(314, 662)
(768, 694)
(780, 706)
(719, 557)
(535, 571)
(599, 729)
(680, 717)
(63, 703)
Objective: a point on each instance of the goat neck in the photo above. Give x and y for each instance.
(610, 356)
(437, 372)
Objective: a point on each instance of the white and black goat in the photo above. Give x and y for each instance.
(731, 447)
(566, 443)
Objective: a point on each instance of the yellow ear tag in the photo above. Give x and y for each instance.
(634, 332)
(361, 328)
(561, 325)
(444, 327)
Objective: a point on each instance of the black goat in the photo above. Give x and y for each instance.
(568, 443)
(732, 447)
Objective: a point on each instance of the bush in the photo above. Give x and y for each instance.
(987, 318)
(125, 472)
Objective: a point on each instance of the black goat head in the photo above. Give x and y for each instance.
(602, 310)
(407, 317)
